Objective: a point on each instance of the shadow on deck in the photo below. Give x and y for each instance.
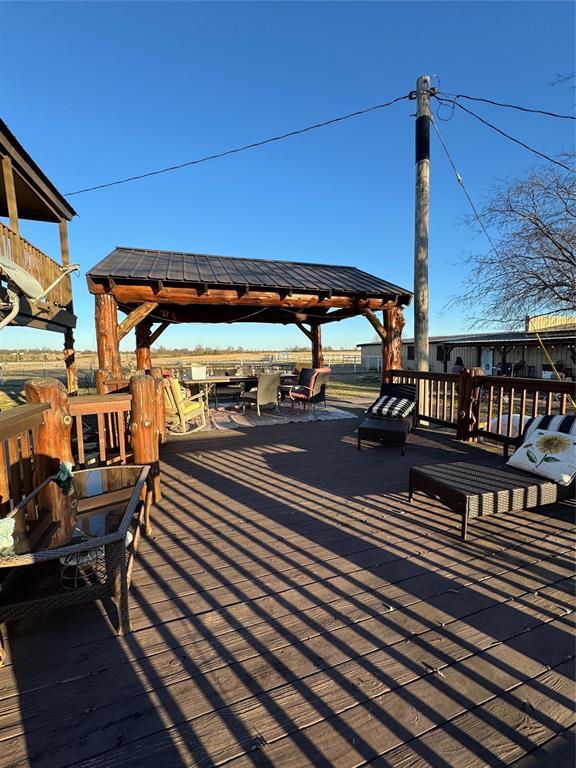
(293, 609)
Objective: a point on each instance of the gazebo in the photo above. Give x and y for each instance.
(158, 288)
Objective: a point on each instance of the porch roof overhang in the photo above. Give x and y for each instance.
(191, 287)
(36, 196)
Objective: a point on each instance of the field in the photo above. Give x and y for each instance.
(348, 380)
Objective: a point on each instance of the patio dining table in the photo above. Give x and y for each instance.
(210, 382)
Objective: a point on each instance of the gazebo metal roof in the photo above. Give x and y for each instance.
(140, 265)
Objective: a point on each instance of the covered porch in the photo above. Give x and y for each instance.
(292, 609)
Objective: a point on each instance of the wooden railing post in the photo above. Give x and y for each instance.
(52, 438)
(145, 443)
(468, 404)
(100, 380)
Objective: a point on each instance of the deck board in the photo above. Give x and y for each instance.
(293, 609)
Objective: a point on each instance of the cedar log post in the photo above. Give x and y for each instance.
(317, 355)
(52, 444)
(160, 412)
(392, 343)
(106, 318)
(468, 405)
(144, 430)
(143, 334)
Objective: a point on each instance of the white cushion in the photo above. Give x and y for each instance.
(547, 454)
(397, 407)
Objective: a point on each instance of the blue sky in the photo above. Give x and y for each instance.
(106, 90)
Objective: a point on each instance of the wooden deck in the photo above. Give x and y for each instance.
(294, 610)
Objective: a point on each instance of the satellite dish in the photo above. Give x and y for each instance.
(21, 279)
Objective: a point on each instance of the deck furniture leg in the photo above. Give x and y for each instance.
(410, 494)
(359, 445)
(115, 555)
(147, 508)
(464, 525)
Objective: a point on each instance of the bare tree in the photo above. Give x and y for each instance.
(531, 268)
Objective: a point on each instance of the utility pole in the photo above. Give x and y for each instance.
(422, 96)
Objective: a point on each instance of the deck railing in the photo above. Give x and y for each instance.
(16, 248)
(99, 429)
(481, 405)
(17, 452)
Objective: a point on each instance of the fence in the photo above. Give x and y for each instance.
(479, 405)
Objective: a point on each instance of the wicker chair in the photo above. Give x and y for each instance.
(266, 393)
(311, 387)
(181, 409)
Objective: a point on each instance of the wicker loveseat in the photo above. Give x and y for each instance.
(489, 486)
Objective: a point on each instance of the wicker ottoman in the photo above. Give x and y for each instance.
(475, 490)
(385, 430)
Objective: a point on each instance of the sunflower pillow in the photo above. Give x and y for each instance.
(548, 454)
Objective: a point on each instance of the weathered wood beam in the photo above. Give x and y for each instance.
(10, 192)
(155, 335)
(375, 323)
(182, 295)
(132, 320)
(64, 247)
(305, 331)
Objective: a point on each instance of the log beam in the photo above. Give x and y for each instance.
(305, 331)
(106, 320)
(132, 320)
(138, 294)
(317, 354)
(155, 335)
(375, 323)
(10, 193)
(143, 342)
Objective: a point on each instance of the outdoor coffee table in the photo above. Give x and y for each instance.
(482, 488)
(86, 530)
(385, 430)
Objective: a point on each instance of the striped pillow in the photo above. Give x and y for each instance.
(565, 424)
(397, 407)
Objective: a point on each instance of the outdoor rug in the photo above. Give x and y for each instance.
(229, 418)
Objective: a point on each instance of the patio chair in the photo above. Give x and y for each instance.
(266, 393)
(181, 409)
(391, 417)
(311, 387)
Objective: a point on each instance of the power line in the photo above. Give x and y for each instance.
(460, 181)
(507, 135)
(243, 148)
(455, 96)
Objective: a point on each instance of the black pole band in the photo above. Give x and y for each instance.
(422, 138)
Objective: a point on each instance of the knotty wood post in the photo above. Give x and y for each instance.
(69, 355)
(317, 354)
(106, 320)
(468, 404)
(145, 443)
(392, 340)
(100, 380)
(160, 405)
(143, 333)
(70, 362)
(52, 440)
